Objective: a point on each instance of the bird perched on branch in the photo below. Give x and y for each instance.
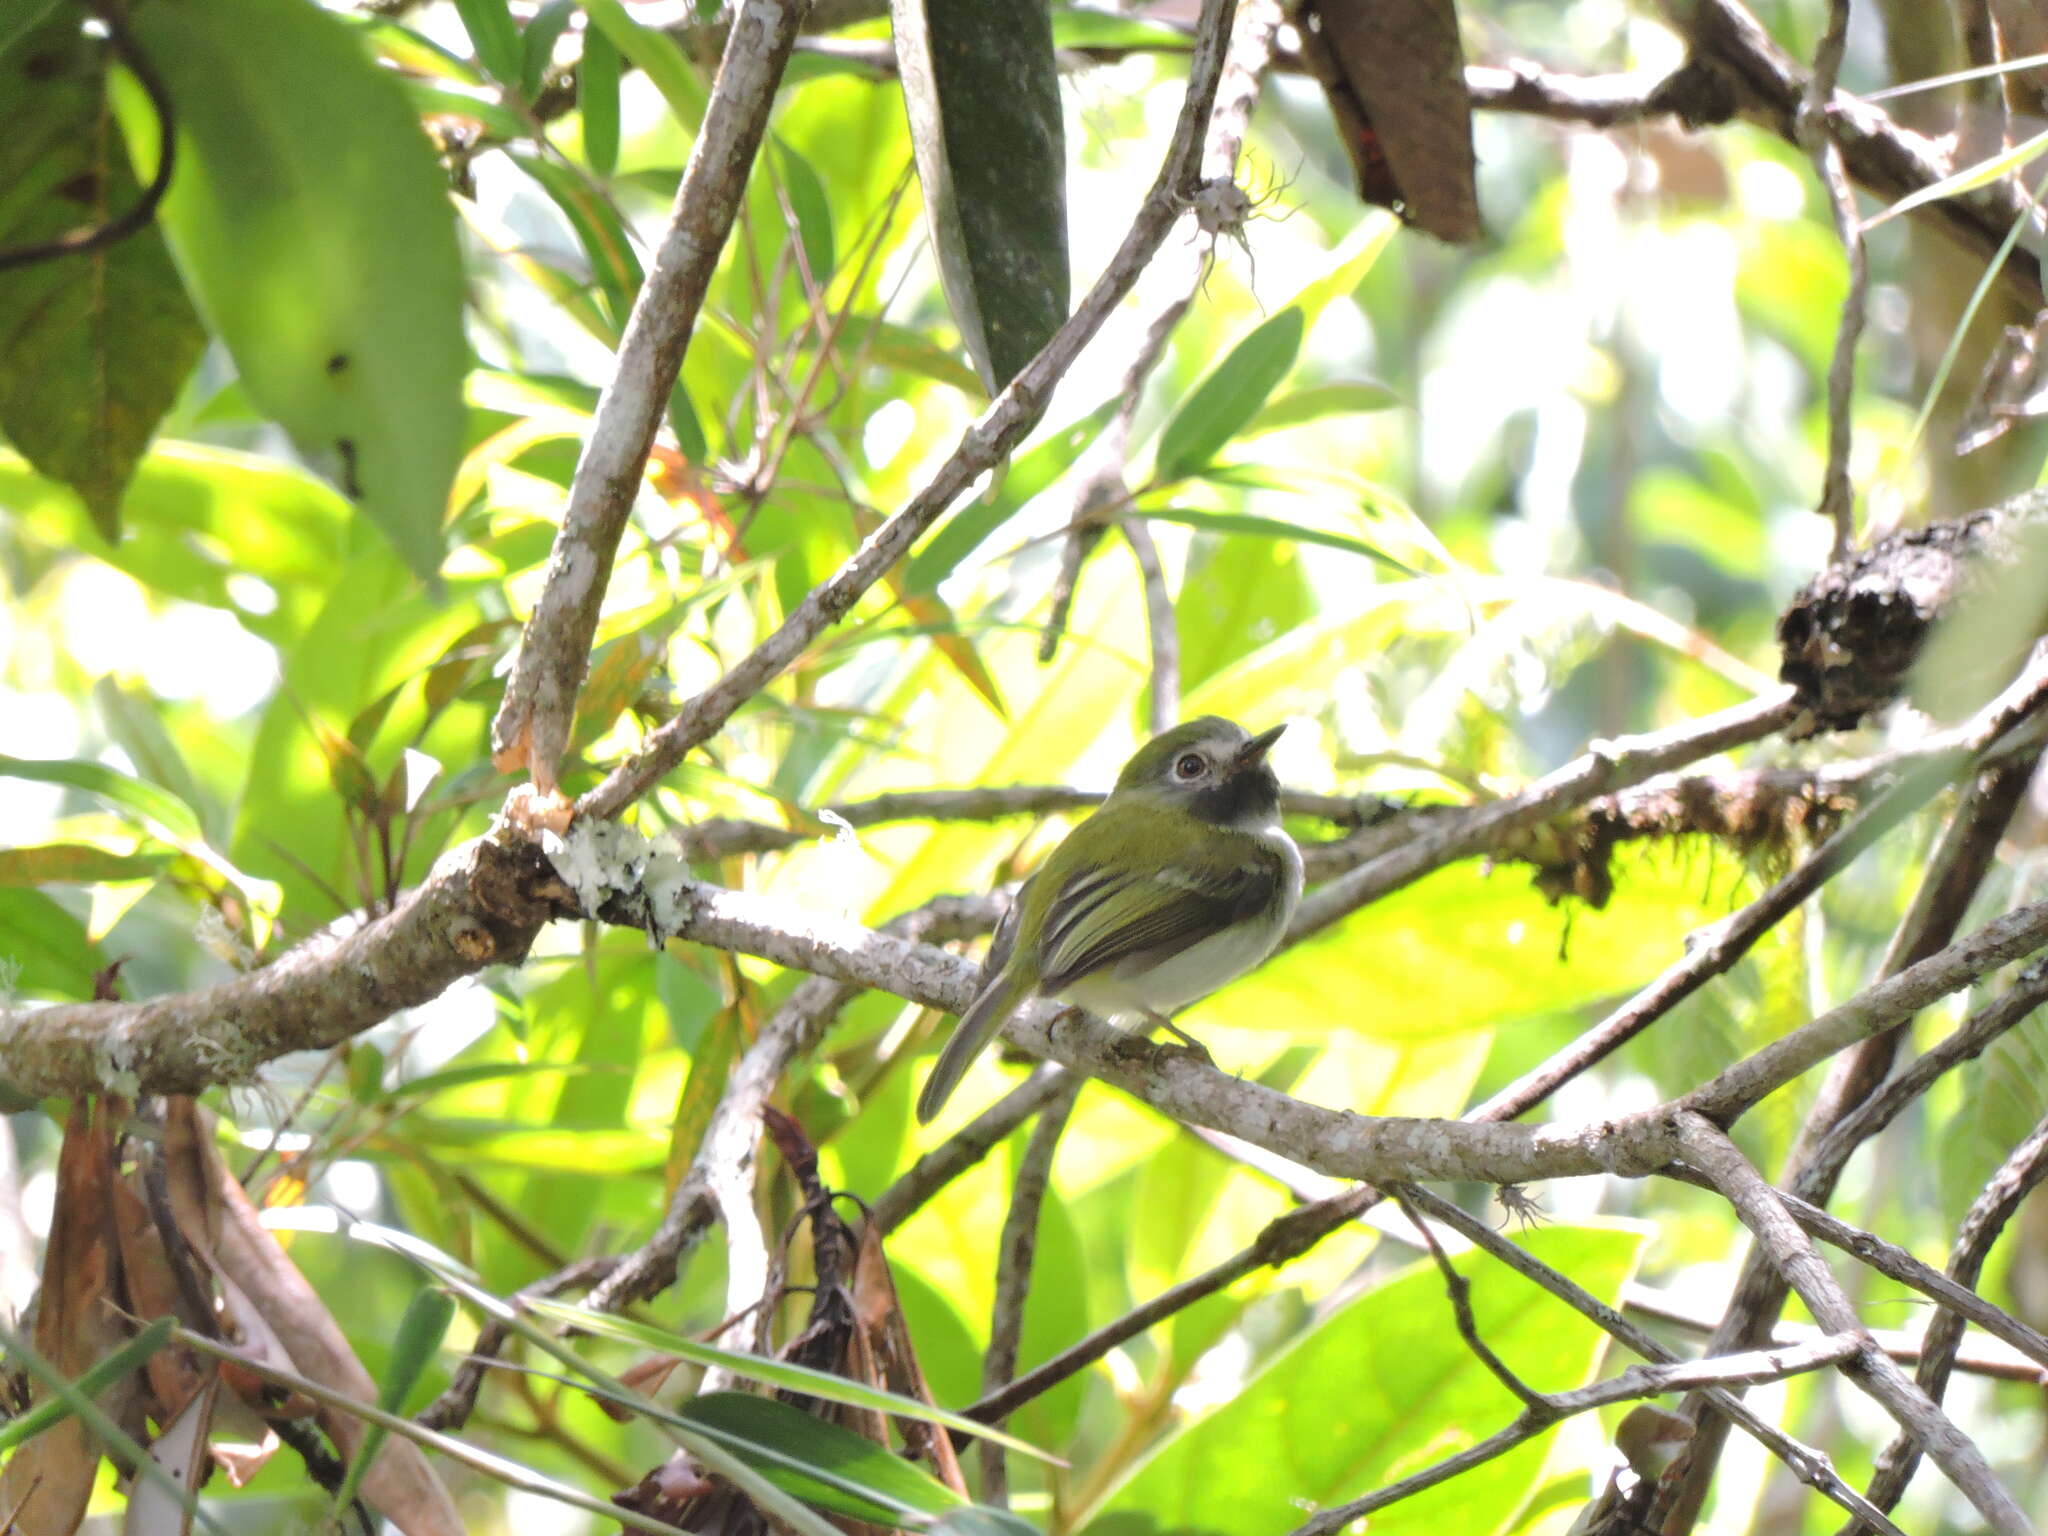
(1181, 881)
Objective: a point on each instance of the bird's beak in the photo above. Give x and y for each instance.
(1254, 751)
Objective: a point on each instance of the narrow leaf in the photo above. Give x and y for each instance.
(1273, 528)
(981, 86)
(117, 789)
(537, 43)
(597, 96)
(777, 1373)
(1230, 395)
(76, 864)
(495, 36)
(1982, 174)
(1321, 400)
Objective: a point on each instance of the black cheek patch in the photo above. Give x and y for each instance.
(1248, 796)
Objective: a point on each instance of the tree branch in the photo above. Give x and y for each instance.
(999, 429)
(1994, 1206)
(1809, 1465)
(1709, 1149)
(533, 720)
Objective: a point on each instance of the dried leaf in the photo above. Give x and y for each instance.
(49, 1480)
(1394, 72)
(399, 1484)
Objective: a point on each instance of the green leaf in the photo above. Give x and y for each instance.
(1383, 1387)
(1230, 394)
(89, 1384)
(1273, 528)
(310, 215)
(43, 949)
(982, 88)
(830, 1466)
(495, 36)
(806, 194)
(655, 55)
(134, 719)
(1319, 401)
(75, 864)
(153, 806)
(537, 43)
(776, 1373)
(597, 97)
(97, 344)
(598, 228)
(420, 1332)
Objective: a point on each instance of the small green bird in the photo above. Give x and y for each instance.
(1182, 881)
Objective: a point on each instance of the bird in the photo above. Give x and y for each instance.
(1183, 879)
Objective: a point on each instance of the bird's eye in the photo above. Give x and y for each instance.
(1190, 765)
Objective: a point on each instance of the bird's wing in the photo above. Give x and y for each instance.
(1095, 919)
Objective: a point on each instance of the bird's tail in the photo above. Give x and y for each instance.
(984, 1016)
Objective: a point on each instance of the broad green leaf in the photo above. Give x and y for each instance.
(599, 230)
(828, 1465)
(134, 719)
(597, 97)
(813, 212)
(311, 218)
(982, 89)
(1383, 1387)
(495, 36)
(1493, 951)
(44, 951)
(197, 519)
(777, 1373)
(1230, 395)
(1232, 392)
(97, 344)
(1237, 594)
(1321, 400)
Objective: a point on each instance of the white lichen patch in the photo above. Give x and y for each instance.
(604, 862)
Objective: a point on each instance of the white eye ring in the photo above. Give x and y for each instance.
(1190, 765)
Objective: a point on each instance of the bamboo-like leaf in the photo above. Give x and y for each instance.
(777, 1373)
(982, 89)
(1968, 179)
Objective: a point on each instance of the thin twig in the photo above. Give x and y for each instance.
(1808, 1464)
(720, 1178)
(1709, 1149)
(966, 1147)
(1895, 1263)
(1015, 1251)
(1994, 1206)
(980, 449)
(1638, 1381)
(1460, 1291)
(1605, 766)
(1282, 1240)
(1816, 132)
(1160, 624)
(1985, 1357)
(533, 720)
(1964, 854)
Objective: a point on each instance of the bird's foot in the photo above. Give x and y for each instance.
(1182, 1043)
